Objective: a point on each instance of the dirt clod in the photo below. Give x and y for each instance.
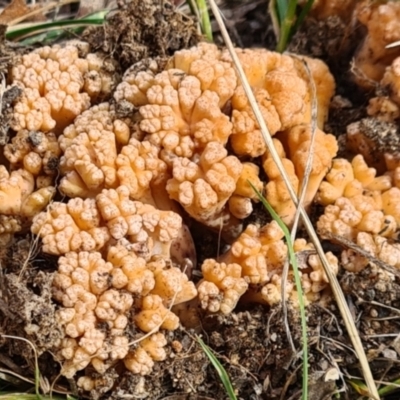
(7, 98)
(143, 28)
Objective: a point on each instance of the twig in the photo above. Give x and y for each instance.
(37, 371)
(351, 245)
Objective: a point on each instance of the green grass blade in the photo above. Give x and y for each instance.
(200, 10)
(16, 32)
(301, 17)
(50, 26)
(286, 25)
(205, 19)
(293, 262)
(359, 386)
(281, 7)
(220, 370)
(389, 389)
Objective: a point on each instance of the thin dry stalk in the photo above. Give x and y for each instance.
(358, 73)
(393, 44)
(357, 249)
(14, 374)
(307, 172)
(3, 86)
(303, 190)
(336, 289)
(34, 249)
(289, 381)
(37, 371)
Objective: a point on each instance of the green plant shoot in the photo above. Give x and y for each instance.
(49, 31)
(199, 8)
(223, 375)
(286, 19)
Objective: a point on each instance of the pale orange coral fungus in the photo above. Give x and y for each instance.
(240, 203)
(8, 226)
(90, 146)
(70, 227)
(204, 188)
(281, 94)
(252, 270)
(386, 106)
(141, 360)
(324, 85)
(141, 223)
(94, 291)
(297, 141)
(170, 283)
(280, 84)
(277, 193)
(116, 235)
(205, 62)
(183, 110)
(89, 224)
(181, 107)
(364, 210)
(222, 286)
(324, 9)
(256, 251)
(36, 152)
(19, 200)
(335, 182)
(391, 79)
(99, 154)
(382, 23)
(140, 169)
(135, 83)
(181, 117)
(57, 86)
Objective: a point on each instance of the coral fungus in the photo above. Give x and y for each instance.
(57, 85)
(363, 208)
(174, 144)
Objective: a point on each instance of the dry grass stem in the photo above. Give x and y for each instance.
(357, 249)
(34, 250)
(16, 375)
(303, 190)
(309, 164)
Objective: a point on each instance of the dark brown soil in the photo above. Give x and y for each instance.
(141, 29)
(7, 98)
(27, 310)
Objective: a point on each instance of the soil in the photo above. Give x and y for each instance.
(259, 348)
(141, 29)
